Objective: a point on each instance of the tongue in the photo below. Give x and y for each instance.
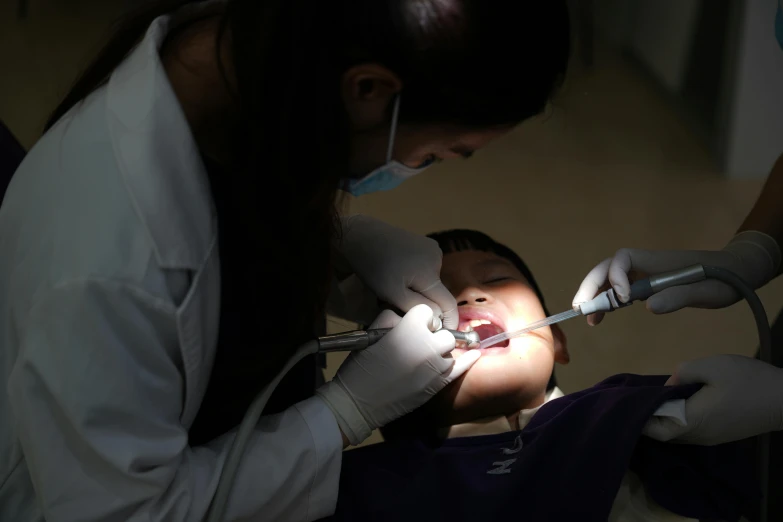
(486, 331)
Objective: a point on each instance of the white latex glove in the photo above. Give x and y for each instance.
(399, 267)
(753, 256)
(741, 398)
(350, 299)
(394, 376)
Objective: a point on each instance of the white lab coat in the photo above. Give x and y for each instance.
(109, 300)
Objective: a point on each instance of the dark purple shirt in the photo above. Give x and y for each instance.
(566, 465)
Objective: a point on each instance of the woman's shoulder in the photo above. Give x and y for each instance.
(67, 213)
(73, 158)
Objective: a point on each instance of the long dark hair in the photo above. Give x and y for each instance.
(472, 62)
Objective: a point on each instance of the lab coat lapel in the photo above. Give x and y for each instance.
(159, 158)
(197, 322)
(168, 183)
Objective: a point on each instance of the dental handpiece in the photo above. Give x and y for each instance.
(644, 288)
(361, 339)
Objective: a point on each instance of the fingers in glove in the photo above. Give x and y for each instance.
(706, 370)
(411, 300)
(423, 314)
(438, 294)
(592, 283)
(463, 364)
(386, 319)
(704, 294)
(712, 371)
(663, 429)
(443, 342)
(624, 261)
(595, 319)
(669, 300)
(629, 261)
(647, 262)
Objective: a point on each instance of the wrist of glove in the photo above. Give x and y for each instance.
(394, 376)
(349, 418)
(741, 398)
(756, 257)
(753, 256)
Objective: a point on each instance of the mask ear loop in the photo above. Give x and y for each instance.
(393, 130)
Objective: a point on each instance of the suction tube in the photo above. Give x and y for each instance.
(344, 342)
(765, 354)
(759, 313)
(219, 502)
(643, 289)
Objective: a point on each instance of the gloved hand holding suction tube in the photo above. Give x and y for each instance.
(399, 267)
(394, 376)
(753, 256)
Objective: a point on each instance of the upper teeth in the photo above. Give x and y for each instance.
(474, 323)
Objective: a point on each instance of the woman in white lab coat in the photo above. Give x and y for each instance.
(171, 239)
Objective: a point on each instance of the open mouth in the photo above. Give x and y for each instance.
(484, 328)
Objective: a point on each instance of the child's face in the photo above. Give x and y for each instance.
(510, 377)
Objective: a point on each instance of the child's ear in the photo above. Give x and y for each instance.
(561, 345)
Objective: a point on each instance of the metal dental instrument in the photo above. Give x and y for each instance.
(553, 319)
(607, 301)
(361, 339)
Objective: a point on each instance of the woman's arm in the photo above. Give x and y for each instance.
(97, 393)
(767, 214)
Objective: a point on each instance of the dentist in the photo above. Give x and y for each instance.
(172, 239)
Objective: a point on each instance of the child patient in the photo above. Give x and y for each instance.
(495, 292)
(476, 451)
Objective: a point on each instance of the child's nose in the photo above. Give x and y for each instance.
(472, 295)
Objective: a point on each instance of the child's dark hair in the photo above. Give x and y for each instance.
(460, 240)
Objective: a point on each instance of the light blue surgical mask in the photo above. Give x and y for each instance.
(779, 24)
(388, 176)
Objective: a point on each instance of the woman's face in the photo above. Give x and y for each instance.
(417, 145)
(368, 91)
(493, 296)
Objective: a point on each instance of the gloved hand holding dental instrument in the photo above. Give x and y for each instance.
(394, 376)
(753, 254)
(399, 267)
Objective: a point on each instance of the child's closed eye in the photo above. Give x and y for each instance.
(497, 279)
